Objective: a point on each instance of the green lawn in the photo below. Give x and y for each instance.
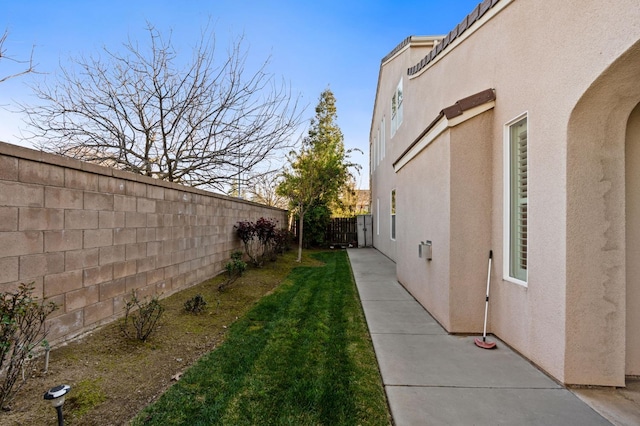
(301, 356)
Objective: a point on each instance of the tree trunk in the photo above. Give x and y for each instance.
(300, 236)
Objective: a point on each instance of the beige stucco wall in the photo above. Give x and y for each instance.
(424, 214)
(471, 191)
(382, 176)
(87, 236)
(543, 58)
(596, 252)
(632, 184)
(451, 206)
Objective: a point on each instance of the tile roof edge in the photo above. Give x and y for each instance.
(407, 41)
(478, 12)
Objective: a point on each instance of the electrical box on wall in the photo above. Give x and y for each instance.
(424, 250)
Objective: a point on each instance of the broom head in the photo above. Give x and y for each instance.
(482, 343)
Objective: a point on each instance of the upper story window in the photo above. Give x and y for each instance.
(396, 109)
(516, 200)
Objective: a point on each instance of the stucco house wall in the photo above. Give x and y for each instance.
(384, 151)
(428, 210)
(571, 68)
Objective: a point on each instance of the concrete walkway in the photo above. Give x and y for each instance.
(433, 378)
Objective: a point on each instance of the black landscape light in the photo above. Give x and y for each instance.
(56, 396)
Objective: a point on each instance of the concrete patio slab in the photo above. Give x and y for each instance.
(374, 275)
(433, 378)
(619, 405)
(437, 406)
(399, 317)
(445, 360)
(385, 290)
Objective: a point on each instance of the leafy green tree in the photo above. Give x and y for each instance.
(316, 220)
(347, 202)
(317, 172)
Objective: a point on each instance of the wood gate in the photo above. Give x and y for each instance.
(343, 231)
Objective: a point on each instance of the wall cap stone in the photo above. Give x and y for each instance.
(24, 153)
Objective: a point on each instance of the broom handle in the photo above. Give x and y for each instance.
(486, 303)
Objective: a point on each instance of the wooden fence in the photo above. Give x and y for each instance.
(342, 230)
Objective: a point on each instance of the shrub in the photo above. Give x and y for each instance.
(246, 231)
(235, 267)
(236, 255)
(22, 328)
(265, 231)
(195, 305)
(142, 316)
(282, 241)
(258, 239)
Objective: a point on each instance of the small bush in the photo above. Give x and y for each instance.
(142, 316)
(265, 231)
(259, 239)
(236, 255)
(235, 268)
(245, 231)
(282, 241)
(22, 328)
(195, 305)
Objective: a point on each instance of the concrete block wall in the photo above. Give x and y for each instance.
(86, 236)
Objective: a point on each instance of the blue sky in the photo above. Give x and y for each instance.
(312, 45)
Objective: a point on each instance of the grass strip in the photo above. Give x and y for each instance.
(301, 356)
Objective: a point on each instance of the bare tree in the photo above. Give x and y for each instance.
(26, 67)
(262, 188)
(201, 124)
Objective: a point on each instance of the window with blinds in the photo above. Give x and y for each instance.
(518, 200)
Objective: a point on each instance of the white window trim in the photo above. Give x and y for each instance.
(506, 197)
(392, 215)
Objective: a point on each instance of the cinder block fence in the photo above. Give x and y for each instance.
(86, 235)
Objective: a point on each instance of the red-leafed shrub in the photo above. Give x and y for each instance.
(262, 239)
